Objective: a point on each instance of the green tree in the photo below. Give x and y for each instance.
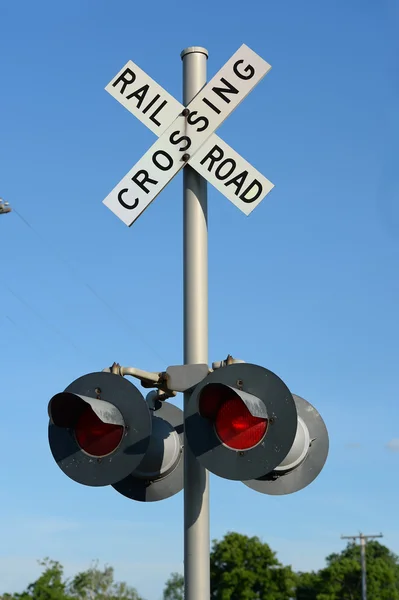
(244, 568)
(97, 584)
(174, 587)
(93, 584)
(49, 586)
(341, 579)
(308, 586)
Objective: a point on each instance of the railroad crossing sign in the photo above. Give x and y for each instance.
(186, 136)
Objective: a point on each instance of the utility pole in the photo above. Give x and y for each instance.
(195, 270)
(363, 541)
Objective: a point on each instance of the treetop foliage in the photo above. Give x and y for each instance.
(242, 568)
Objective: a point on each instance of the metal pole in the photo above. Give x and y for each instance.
(195, 271)
(363, 562)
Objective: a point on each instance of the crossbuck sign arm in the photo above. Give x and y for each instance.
(189, 137)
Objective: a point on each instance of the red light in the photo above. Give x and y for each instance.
(94, 436)
(212, 396)
(236, 427)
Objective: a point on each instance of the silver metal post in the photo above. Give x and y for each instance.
(195, 270)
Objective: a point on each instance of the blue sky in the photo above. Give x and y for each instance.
(307, 286)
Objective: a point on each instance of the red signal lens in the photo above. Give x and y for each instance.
(236, 427)
(212, 396)
(94, 436)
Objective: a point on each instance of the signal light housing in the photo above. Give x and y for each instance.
(160, 474)
(100, 429)
(241, 421)
(306, 457)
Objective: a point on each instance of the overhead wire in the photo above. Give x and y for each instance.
(38, 315)
(117, 316)
(43, 319)
(23, 331)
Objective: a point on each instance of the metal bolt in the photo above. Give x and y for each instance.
(239, 382)
(185, 157)
(98, 391)
(185, 112)
(241, 453)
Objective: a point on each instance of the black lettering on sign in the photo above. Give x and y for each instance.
(225, 168)
(140, 94)
(154, 114)
(192, 121)
(151, 103)
(230, 169)
(244, 195)
(212, 106)
(158, 164)
(246, 73)
(182, 138)
(238, 181)
(212, 158)
(126, 81)
(144, 180)
(221, 92)
(121, 201)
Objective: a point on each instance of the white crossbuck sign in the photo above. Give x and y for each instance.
(186, 136)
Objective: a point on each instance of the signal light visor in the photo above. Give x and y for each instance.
(98, 425)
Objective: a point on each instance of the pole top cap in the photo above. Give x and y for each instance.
(194, 49)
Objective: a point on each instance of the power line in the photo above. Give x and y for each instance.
(363, 541)
(42, 318)
(116, 315)
(24, 332)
